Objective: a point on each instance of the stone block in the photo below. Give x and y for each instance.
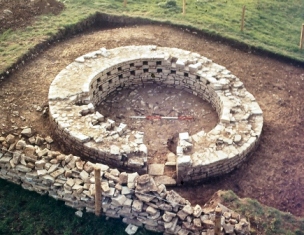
(156, 169)
(105, 187)
(22, 168)
(188, 209)
(131, 229)
(197, 211)
(125, 190)
(170, 226)
(164, 179)
(184, 136)
(57, 173)
(184, 161)
(182, 215)
(137, 206)
(123, 178)
(102, 167)
(41, 172)
(27, 132)
(84, 176)
(40, 164)
(119, 200)
(20, 144)
(137, 162)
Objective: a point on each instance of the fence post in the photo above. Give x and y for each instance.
(98, 205)
(302, 37)
(243, 18)
(218, 217)
(184, 7)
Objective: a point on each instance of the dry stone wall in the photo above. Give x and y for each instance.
(29, 161)
(83, 84)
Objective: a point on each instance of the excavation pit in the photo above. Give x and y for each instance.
(77, 91)
(161, 113)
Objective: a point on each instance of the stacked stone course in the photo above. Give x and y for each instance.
(86, 82)
(139, 200)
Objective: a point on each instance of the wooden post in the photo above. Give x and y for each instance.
(218, 217)
(98, 205)
(125, 3)
(243, 18)
(184, 7)
(302, 37)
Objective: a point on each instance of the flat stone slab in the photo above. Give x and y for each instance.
(166, 180)
(156, 169)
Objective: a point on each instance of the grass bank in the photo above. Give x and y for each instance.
(27, 213)
(263, 219)
(272, 26)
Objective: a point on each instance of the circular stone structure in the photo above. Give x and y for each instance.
(86, 82)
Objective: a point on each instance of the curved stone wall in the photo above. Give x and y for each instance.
(83, 84)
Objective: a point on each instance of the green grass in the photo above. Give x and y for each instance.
(263, 219)
(272, 25)
(23, 212)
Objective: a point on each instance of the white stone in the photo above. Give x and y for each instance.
(79, 213)
(84, 176)
(184, 136)
(131, 229)
(27, 132)
(184, 160)
(114, 150)
(119, 200)
(237, 138)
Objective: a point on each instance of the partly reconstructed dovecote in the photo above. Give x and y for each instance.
(85, 83)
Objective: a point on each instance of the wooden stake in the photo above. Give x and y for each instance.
(98, 206)
(218, 216)
(125, 3)
(184, 7)
(243, 18)
(302, 37)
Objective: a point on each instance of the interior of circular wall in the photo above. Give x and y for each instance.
(85, 83)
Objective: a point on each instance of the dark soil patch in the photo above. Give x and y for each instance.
(21, 13)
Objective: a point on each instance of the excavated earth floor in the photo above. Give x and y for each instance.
(273, 174)
(140, 109)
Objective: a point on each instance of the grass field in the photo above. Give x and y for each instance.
(272, 25)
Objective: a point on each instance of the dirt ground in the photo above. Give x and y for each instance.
(273, 174)
(20, 13)
(153, 101)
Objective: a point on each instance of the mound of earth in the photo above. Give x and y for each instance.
(17, 14)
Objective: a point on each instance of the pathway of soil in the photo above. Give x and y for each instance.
(273, 174)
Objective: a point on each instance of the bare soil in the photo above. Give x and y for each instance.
(153, 101)
(273, 174)
(21, 13)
